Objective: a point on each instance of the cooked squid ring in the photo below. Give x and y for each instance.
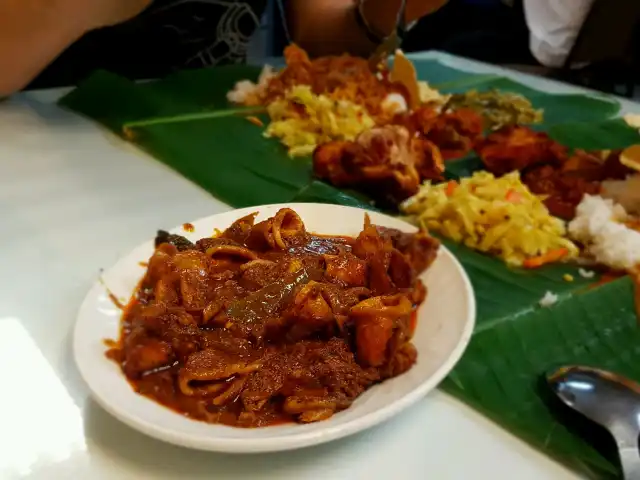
(232, 392)
(224, 390)
(187, 387)
(254, 405)
(375, 320)
(254, 263)
(297, 405)
(316, 415)
(231, 251)
(212, 365)
(286, 224)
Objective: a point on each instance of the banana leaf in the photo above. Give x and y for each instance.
(501, 372)
(167, 115)
(206, 89)
(186, 122)
(221, 160)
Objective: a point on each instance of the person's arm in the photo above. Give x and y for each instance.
(34, 32)
(329, 27)
(554, 26)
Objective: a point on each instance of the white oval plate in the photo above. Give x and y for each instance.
(445, 324)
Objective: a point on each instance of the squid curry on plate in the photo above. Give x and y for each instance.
(267, 323)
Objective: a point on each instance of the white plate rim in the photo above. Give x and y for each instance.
(289, 442)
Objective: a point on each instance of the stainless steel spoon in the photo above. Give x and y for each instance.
(609, 400)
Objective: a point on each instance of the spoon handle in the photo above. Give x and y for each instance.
(626, 436)
(630, 461)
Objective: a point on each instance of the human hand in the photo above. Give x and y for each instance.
(416, 9)
(382, 14)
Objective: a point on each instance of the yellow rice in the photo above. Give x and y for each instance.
(302, 120)
(499, 216)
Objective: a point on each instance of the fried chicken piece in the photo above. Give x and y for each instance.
(586, 165)
(548, 169)
(385, 161)
(456, 133)
(420, 121)
(328, 163)
(583, 173)
(390, 157)
(564, 191)
(517, 148)
(430, 163)
(613, 169)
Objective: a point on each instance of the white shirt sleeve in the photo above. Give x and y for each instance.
(554, 26)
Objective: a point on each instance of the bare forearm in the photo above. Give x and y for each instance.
(32, 34)
(327, 27)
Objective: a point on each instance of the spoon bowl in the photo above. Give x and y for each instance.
(607, 399)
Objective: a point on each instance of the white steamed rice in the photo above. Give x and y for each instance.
(245, 92)
(599, 225)
(549, 299)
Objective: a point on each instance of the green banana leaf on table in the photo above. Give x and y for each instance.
(186, 122)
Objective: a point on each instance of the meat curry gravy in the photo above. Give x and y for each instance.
(267, 323)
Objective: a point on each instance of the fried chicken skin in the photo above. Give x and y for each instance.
(386, 162)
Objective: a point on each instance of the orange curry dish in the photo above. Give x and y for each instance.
(340, 77)
(268, 323)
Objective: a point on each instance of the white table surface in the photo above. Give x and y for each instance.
(73, 199)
